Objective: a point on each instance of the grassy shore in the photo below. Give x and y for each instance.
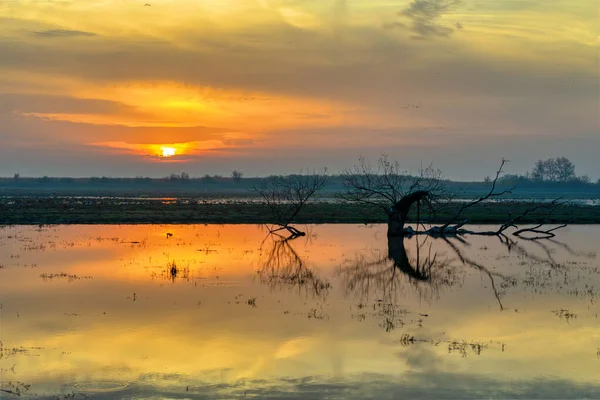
(45, 210)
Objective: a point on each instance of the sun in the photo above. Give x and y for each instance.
(168, 151)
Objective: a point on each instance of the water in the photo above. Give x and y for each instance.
(122, 312)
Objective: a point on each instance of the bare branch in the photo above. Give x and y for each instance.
(541, 233)
(286, 196)
(490, 194)
(386, 184)
(396, 192)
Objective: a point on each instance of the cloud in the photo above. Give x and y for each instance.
(239, 142)
(30, 130)
(505, 77)
(425, 15)
(57, 104)
(181, 152)
(340, 7)
(393, 25)
(298, 19)
(56, 33)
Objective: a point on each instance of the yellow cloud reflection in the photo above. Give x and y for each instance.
(130, 320)
(297, 18)
(294, 347)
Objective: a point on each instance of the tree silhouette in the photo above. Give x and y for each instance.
(286, 196)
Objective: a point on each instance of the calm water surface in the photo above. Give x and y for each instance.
(122, 312)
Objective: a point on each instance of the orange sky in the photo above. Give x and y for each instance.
(104, 84)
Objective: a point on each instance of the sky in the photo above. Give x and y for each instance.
(153, 87)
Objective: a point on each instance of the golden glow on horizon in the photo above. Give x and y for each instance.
(168, 151)
(168, 104)
(171, 152)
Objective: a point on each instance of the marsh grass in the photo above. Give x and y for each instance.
(43, 210)
(462, 347)
(564, 314)
(69, 277)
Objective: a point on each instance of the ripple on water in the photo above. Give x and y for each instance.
(101, 386)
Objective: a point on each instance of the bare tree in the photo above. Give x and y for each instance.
(184, 176)
(286, 196)
(237, 175)
(540, 171)
(392, 189)
(559, 169)
(565, 169)
(396, 191)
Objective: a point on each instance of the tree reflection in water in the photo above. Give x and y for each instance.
(283, 267)
(387, 276)
(421, 267)
(440, 263)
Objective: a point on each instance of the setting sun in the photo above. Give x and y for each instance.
(168, 151)
(200, 198)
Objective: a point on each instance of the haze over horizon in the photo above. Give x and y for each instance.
(121, 88)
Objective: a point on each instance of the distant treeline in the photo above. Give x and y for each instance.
(183, 185)
(333, 181)
(554, 177)
(559, 170)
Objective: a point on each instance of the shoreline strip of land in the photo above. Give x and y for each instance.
(55, 211)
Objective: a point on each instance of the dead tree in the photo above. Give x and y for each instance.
(393, 190)
(286, 196)
(396, 192)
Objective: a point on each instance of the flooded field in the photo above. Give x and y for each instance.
(228, 311)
